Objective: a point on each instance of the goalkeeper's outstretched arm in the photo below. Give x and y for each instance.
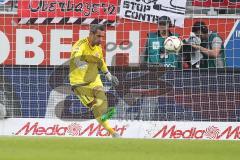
(113, 79)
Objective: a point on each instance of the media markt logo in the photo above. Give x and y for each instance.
(211, 132)
(74, 129)
(93, 130)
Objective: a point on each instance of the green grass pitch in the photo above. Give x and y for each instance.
(43, 148)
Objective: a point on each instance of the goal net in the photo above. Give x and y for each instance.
(36, 38)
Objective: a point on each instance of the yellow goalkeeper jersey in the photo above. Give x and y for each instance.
(85, 61)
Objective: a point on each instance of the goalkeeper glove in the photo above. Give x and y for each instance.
(112, 79)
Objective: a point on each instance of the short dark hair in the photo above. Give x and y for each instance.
(95, 27)
(199, 26)
(164, 20)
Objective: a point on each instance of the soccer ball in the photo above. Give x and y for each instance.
(173, 44)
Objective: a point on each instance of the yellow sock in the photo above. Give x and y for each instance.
(106, 125)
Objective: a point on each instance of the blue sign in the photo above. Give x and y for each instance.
(3, 1)
(233, 47)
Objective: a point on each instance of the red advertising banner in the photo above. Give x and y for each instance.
(217, 3)
(104, 9)
(51, 44)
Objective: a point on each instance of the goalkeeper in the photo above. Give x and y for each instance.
(86, 60)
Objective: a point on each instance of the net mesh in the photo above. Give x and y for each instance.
(34, 81)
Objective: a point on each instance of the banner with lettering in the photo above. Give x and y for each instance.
(104, 9)
(126, 129)
(151, 10)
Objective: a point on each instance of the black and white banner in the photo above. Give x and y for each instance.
(151, 10)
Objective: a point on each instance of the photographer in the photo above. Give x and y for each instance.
(208, 47)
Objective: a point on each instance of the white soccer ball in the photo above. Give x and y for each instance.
(173, 44)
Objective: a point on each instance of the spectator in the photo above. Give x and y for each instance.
(154, 47)
(211, 46)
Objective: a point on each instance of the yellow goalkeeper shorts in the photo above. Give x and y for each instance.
(86, 92)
